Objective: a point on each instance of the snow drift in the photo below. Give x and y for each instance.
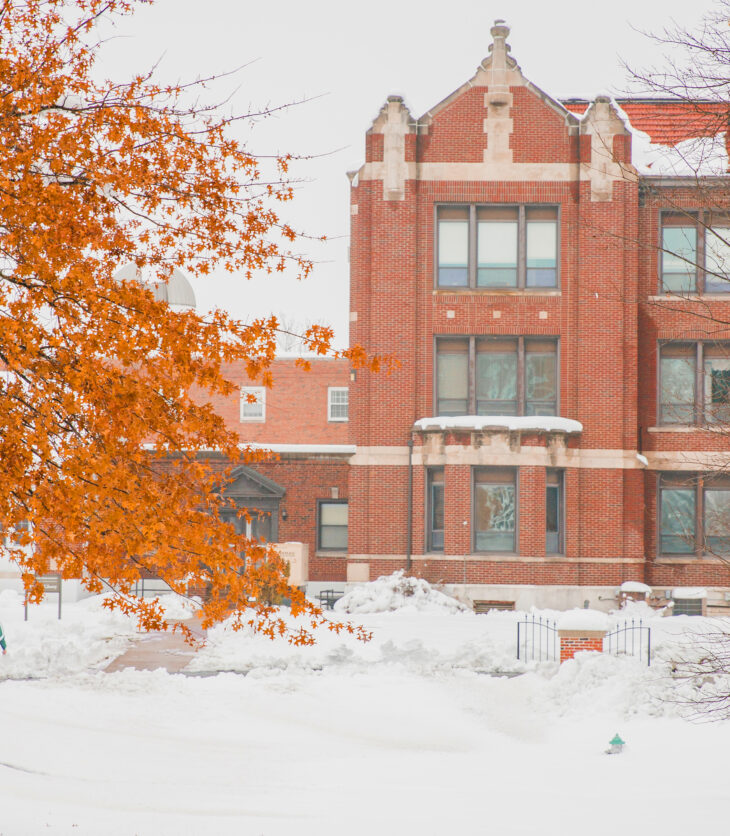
(396, 592)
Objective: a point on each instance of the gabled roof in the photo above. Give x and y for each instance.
(249, 483)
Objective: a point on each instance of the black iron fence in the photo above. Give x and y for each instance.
(537, 639)
(632, 638)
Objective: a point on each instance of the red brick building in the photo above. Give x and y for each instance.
(302, 491)
(559, 302)
(508, 251)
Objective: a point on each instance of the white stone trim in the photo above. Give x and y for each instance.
(497, 558)
(511, 172)
(687, 459)
(498, 453)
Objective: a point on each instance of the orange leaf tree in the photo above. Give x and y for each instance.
(96, 373)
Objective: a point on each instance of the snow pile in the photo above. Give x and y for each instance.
(582, 619)
(87, 636)
(391, 593)
(177, 607)
(526, 423)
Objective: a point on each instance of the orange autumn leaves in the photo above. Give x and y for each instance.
(94, 175)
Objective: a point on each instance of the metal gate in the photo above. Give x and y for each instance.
(537, 639)
(632, 638)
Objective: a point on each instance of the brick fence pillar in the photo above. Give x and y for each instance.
(573, 641)
(581, 630)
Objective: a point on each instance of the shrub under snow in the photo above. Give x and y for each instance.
(398, 592)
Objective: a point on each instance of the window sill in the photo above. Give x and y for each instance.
(330, 554)
(688, 428)
(690, 297)
(337, 420)
(496, 291)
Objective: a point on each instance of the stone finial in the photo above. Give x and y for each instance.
(499, 64)
(500, 47)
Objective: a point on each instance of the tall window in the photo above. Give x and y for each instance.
(435, 509)
(253, 403)
(497, 246)
(507, 376)
(694, 514)
(495, 509)
(337, 403)
(453, 246)
(694, 382)
(332, 525)
(554, 512)
(695, 255)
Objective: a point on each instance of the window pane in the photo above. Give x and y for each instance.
(496, 514)
(677, 395)
(452, 377)
(717, 260)
(677, 534)
(453, 246)
(333, 513)
(679, 259)
(261, 526)
(542, 239)
(255, 409)
(717, 521)
(552, 519)
(496, 373)
(333, 537)
(436, 512)
(333, 518)
(717, 384)
(339, 399)
(497, 254)
(541, 380)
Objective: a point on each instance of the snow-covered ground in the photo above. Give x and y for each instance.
(415, 732)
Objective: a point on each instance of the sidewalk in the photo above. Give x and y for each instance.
(158, 650)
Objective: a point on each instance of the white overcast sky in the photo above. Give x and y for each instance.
(346, 58)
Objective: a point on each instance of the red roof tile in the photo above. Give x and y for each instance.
(666, 122)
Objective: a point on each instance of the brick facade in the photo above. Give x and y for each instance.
(582, 497)
(500, 141)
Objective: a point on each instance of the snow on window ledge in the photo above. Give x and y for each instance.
(539, 423)
(689, 592)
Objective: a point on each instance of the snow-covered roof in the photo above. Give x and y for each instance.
(672, 138)
(321, 449)
(536, 423)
